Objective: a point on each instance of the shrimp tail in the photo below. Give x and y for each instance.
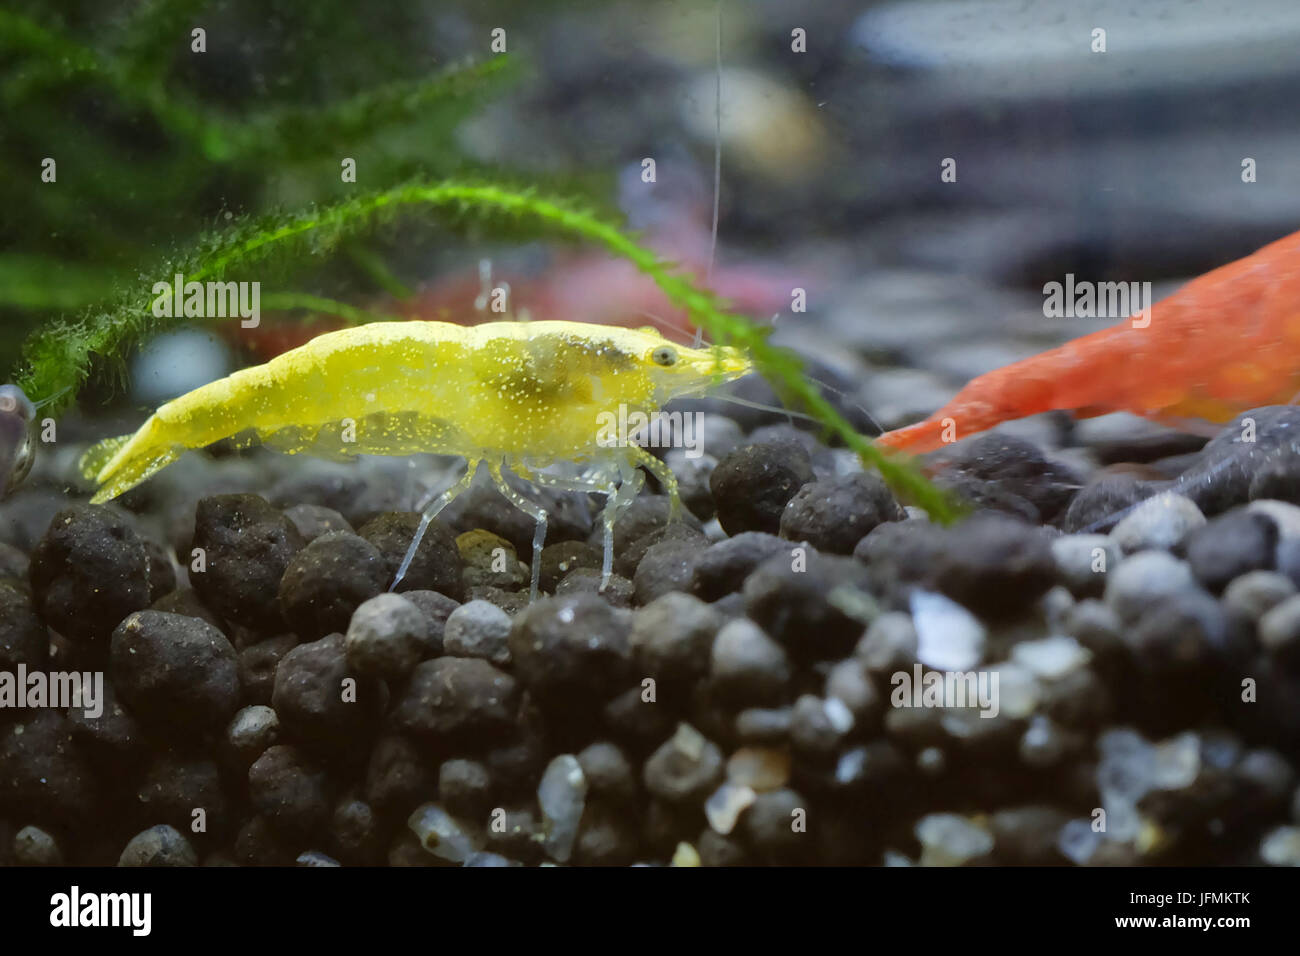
(119, 464)
(98, 455)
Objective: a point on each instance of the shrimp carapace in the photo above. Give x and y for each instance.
(517, 395)
(1227, 341)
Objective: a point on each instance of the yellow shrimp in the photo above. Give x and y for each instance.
(517, 395)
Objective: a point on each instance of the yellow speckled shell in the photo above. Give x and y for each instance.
(511, 391)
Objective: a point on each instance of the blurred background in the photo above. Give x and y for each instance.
(835, 120)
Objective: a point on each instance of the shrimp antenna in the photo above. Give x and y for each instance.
(679, 329)
(790, 413)
(843, 396)
(717, 151)
(763, 407)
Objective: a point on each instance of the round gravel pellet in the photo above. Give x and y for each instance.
(722, 568)
(562, 557)
(357, 833)
(34, 847)
(571, 650)
(618, 591)
(323, 703)
(489, 560)
(772, 826)
(1103, 502)
(88, 572)
(478, 629)
(399, 776)
(174, 671)
(1159, 523)
(160, 845)
(686, 768)
(250, 733)
(752, 485)
(246, 547)
(1177, 632)
(818, 726)
(672, 638)
(993, 564)
(1279, 631)
(437, 565)
(799, 598)
(685, 531)
(1254, 593)
(608, 772)
(665, 567)
(834, 514)
(328, 580)
(111, 739)
(1229, 546)
(23, 638)
(1001, 471)
(46, 778)
(457, 700)
(387, 636)
(289, 790)
(747, 667)
(312, 521)
(1142, 578)
(465, 787)
(1083, 561)
(437, 608)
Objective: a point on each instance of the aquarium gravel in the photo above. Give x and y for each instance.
(740, 692)
(730, 434)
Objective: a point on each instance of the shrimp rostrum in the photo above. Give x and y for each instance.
(517, 396)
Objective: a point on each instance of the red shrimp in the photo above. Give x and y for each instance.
(1226, 342)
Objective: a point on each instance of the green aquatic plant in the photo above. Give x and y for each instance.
(58, 358)
(149, 138)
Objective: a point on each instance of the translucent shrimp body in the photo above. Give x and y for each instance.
(517, 395)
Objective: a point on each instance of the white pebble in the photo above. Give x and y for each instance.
(726, 804)
(1052, 657)
(949, 637)
(562, 796)
(1158, 523)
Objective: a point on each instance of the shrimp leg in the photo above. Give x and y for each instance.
(663, 474)
(528, 507)
(429, 514)
(617, 501)
(620, 490)
(598, 483)
(620, 501)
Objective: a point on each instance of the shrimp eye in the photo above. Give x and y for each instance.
(664, 355)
